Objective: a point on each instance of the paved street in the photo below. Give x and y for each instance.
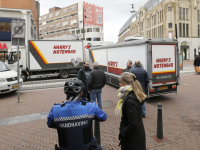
(23, 125)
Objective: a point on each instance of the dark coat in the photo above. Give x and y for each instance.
(96, 79)
(81, 75)
(132, 133)
(196, 61)
(141, 75)
(127, 69)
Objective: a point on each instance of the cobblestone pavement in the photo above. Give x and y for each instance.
(181, 119)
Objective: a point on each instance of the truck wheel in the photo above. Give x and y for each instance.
(24, 76)
(64, 74)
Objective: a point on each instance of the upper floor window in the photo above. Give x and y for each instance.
(169, 8)
(45, 17)
(58, 25)
(57, 13)
(180, 10)
(65, 23)
(65, 10)
(51, 15)
(51, 27)
(170, 25)
(45, 28)
(4, 26)
(73, 21)
(89, 29)
(96, 30)
(73, 8)
(183, 13)
(187, 13)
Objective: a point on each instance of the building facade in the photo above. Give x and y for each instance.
(68, 21)
(13, 10)
(157, 19)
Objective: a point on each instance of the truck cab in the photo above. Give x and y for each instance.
(12, 58)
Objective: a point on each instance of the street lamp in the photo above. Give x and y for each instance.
(132, 10)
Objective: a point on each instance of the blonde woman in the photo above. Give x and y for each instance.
(132, 133)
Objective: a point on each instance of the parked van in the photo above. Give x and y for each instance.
(8, 79)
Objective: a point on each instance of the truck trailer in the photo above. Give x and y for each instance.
(46, 58)
(159, 58)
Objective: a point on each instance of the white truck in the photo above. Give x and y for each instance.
(159, 58)
(46, 58)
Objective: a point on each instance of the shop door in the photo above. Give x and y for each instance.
(3, 56)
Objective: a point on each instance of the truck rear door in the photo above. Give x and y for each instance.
(164, 61)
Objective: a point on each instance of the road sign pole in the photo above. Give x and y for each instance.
(18, 72)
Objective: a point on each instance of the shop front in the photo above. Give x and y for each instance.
(4, 46)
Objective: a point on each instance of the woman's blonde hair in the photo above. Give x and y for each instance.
(130, 79)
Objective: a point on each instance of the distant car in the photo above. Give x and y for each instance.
(8, 79)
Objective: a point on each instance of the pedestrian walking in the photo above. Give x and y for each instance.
(73, 119)
(196, 64)
(96, 81)
(83, 75)
(129, 66)
(132, 133)
(143, 78)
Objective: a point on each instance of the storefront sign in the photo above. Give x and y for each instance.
(3, 46)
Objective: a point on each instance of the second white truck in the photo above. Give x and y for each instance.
(159, 57)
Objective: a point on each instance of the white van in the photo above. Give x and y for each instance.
(8, 79)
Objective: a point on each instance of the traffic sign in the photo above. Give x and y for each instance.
(18, 29)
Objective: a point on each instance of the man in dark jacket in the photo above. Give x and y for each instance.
(96, 81)
(83, 75)
(143, 78)
(196, 64)
(129, 66)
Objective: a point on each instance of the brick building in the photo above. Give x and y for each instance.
(68, 21)
(157, 19)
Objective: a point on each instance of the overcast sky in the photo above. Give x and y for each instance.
(114, 16)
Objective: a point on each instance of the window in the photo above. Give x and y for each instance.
(158, 17)
(65, 23)
(40, 30)
(187, 30)
(77, 31)
(45, 17)
(73, 32)
(65, 10)
(57, 25)
(45, 28)
(3, 26)
(57, 13)
(187, 11)
(82, 30)
(170, 25)
(73, 8)
(180, 29)
(198, 15)
(89, 29)
(73, 21)
(96, 30)
(184, 29)
(180, 10)
(51, 15)
(183, 13)
(198, 31)
(88, 39)
(169, 8)
(96, 39)
(51, 27)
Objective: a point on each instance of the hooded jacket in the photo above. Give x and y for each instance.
(132, 133)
